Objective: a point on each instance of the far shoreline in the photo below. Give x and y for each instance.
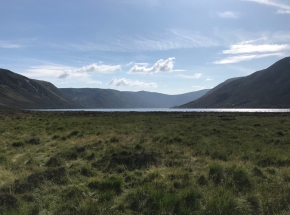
(198, 110)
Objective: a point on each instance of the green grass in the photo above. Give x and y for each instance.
(144, 163)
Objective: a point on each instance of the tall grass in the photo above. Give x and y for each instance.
(144, 163)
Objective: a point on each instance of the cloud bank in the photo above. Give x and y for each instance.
(64, 72)
(253, 49)
(239, 58)
(98, 68)
(247, 47)
(130, 83)
(160, 66)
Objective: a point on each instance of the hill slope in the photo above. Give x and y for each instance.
(103, 98)
(268, 88)
(107, 98)
(221, 85)
(17, 91)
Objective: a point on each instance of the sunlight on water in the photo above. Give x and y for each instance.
(172, 110)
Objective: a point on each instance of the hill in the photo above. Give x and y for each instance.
(20, 92)
(268, 88)
(107, 98)
(17, 91)
(103, 98)
(221, 84)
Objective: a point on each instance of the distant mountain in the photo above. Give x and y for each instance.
(17, 91)
(107, 98)
(103, 98)
(163, 100)
(268, 88)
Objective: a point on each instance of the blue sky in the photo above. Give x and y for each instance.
(162, 46)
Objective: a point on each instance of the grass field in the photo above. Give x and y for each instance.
(144, 163)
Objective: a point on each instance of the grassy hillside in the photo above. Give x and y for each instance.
(268, 88)
(108, 98)
(104, 98)
(144, 163)
(17, 91)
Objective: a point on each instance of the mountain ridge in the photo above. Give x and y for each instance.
(267, 88)
(20, 92)
(101, 98)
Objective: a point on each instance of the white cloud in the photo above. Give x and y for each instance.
(239, 58)
(228, 15)
(209, 79)
(254, 49)
(50, 71)
(246, 47)
(282, 8)
(98, 68)
(195, 76)
(8, 45)
(130, 83)
(64, 72)
(160, 66)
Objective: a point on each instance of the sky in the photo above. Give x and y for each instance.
(164, 46)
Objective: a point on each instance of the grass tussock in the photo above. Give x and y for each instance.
(144, 163)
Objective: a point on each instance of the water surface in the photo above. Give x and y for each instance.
(240, 110)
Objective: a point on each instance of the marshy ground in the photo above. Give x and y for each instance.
(144, 163)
